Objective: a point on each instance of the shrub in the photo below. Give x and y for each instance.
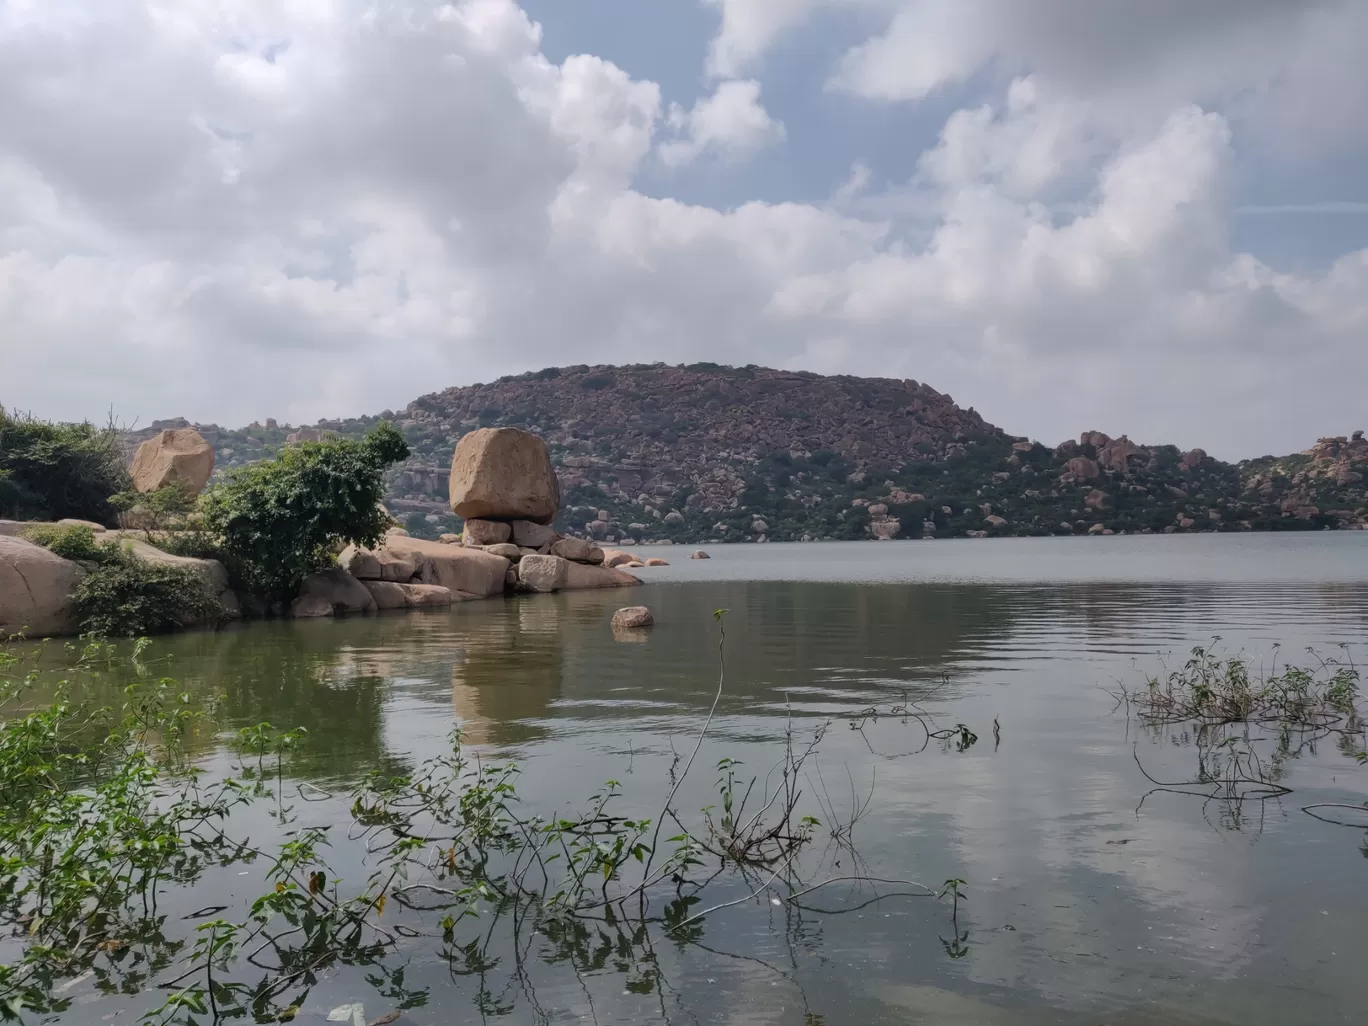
(128, 596)
(70, 541)
(153, 511)
(280, 520)
(123, 595)
(56, 471)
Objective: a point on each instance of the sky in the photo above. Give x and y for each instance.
(1142, 218)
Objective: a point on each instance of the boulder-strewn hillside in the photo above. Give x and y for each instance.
(704, 452)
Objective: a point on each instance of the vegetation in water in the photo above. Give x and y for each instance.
(1247, 726)
(282, 519)
(113, 841)
(123, 595)
(58, 471)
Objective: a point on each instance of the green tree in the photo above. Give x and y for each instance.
(280, 520)
(54, 471)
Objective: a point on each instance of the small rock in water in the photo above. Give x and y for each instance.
(633, 616)
(655, 561)
(699, 554)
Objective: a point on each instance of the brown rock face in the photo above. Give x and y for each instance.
(616, 557)
(336, 589)
(633, 616)
(177, 456)
(542, 573)
(577, 550)
(390, 595)
(1116, 454)
(1083, 469)
(454, 567)
(478, 533)
(36, 590)
(885, 528)
(503, 474)
(379, 565)
(531, 535)
(1192, 458)
(579, 575)
(1097, 499)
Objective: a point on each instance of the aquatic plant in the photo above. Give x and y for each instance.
(1247, 726)
(111, 831)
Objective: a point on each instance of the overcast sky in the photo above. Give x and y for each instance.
(1148, 217)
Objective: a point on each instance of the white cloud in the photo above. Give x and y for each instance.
(1268, 60)
(233, 210)
(731, 122)
(747, 28)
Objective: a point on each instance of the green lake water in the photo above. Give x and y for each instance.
(1084, 906)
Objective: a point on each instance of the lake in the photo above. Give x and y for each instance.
(1083, 905)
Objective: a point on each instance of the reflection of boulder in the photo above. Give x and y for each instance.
(509, 671)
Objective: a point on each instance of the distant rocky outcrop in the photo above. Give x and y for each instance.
(705, 453)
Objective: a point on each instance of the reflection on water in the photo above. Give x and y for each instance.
(1079, 909)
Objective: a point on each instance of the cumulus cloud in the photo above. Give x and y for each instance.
(233, 210)
(731, 122)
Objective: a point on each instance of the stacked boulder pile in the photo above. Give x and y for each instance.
(503, 486)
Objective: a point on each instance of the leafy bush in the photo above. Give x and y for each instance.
(70, 541)
(153, 511)
(280, 520)
(128, 596)
(124, 595)
(56, 471)
(132, 597)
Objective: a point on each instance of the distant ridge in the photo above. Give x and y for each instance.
(706, 452)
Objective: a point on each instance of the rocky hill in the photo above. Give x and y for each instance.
(712, 453)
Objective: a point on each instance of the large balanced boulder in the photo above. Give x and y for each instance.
(178, 456)
(36, 590)
(503, 474)
(455, 567)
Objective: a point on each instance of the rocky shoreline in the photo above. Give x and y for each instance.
(504, 475)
